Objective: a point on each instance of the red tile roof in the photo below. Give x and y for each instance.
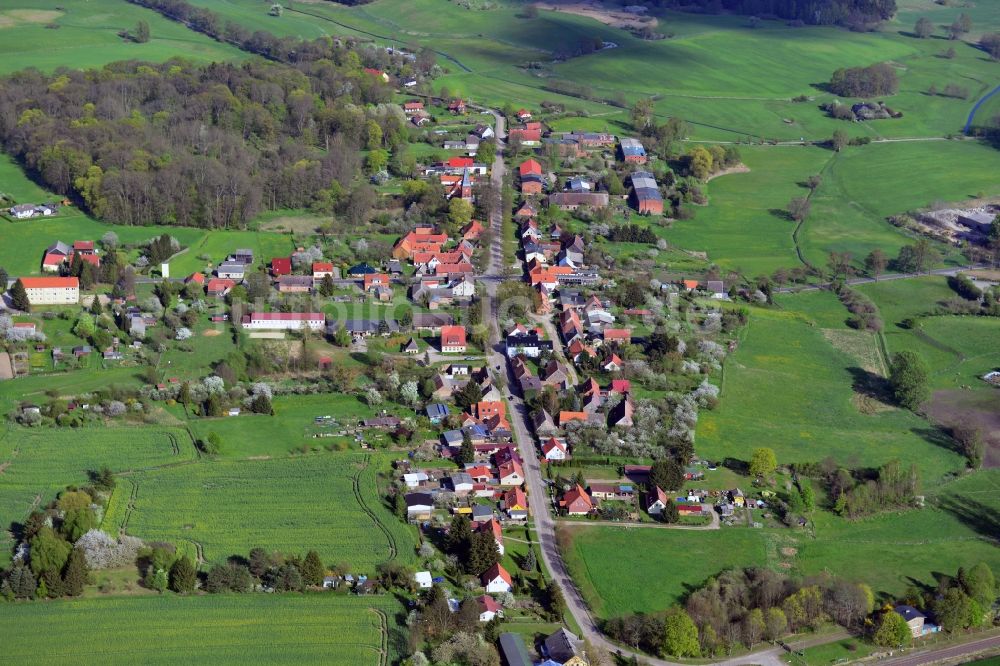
(497, 570)
(49, 282)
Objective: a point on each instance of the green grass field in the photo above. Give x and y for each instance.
(958, 350)
(85, 34)
(812, 411)
(329, 503)
(39, 463)
(217, 629)
(618, 571)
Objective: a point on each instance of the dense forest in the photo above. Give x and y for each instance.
(817, 12)
(204, 145)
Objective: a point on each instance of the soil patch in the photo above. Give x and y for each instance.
(6, 367)
(14, 17)
(788, 551)
(598, 12)
(739, 168)
(297, 223)
(978, 409)
(212, 332)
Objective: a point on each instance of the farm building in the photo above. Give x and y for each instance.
(271, 321)
(645, 194)
(575, 200)
(633, 151)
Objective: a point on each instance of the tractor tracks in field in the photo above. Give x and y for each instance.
(359, 496)
(383, 649)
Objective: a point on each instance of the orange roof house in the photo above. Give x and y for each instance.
(577, 502)
(623, 335)
(568, 417)
(372, 280)
(453, 339)
(530, 167)
(421, 239)
(473, 230)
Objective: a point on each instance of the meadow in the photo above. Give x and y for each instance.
(291, 428)
(617, 575)
(329, 503)
(85, 34)
(217, 629)
(813, 410)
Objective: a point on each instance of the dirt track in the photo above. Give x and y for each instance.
(598, 12)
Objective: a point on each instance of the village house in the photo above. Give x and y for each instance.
(916, 621)
(524, 341)
(295, 284)
(621, 415)
(554, 449)
(409, 108)
(420, 239)
(52, 290)
(527, 137)
(488, 608)
(432, 322)
(515, 503)
(56, 255)
(543, 424)
(492, 527)
(231, 270)
(219, 286)
(457, 106)
(656, 501)
(277, 321)
(453, 339)
(530, 172)
(511, 474)
(281, 266)
(576, 502)
(419, 506)
(565, 648)
(496, 580)
(322, 269)
(612, 491)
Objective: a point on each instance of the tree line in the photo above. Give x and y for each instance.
(854, 13)
(872, 81)
(747, 606)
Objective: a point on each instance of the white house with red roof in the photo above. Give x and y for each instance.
(488, 608)
(453, 339)
(496, 580)
(553, 449)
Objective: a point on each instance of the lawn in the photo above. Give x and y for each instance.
(812, 410)
(85, 34)
(326, 502)
(217, 629)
